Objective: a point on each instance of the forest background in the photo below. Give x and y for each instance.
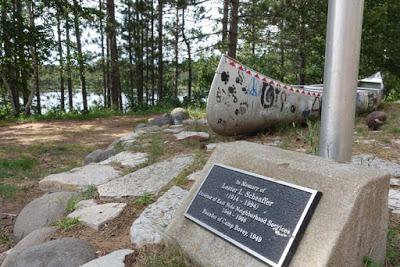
(137, 55)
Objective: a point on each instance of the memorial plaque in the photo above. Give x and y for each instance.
(261, 215)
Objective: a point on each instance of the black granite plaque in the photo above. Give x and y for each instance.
(261, 215)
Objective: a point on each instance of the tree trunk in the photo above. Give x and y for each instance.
(233, 29)
(225, 23)
(152, 54)
(81, 61)
(103, 64)
(160, 49)
(176, 51)
(114, 69)
(302, 52)
(8, 76)
(68, 67)
(35, 62)
(108, 72)
(130, 53)
(61, 62)
(189, 56)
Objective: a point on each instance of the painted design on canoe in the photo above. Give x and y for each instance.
(242, 100)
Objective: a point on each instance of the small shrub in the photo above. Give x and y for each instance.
(90, 192)
(144, 200)
(66, 223)
(72, 204)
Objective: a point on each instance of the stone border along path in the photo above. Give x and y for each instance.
(149, 227)
(150, 179)
(43, 211)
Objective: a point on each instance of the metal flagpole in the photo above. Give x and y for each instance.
(342, 57)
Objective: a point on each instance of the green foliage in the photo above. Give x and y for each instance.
(393, 246)
(90, 192)
(72, 204)
(8, 190)
(144, 200)
(368, 262)
(17, 168)
(156, 149)
(66, 223)
(167, 257)
(196, 112)
(5, 239)
(310, 136)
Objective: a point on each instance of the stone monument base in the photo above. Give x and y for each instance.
(349, 223)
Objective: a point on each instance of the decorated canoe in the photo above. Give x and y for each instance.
(242, 100)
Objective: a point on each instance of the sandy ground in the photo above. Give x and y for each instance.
(97, 132)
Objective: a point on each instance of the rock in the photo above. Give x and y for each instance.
(66, 252)
(186, 135)
(178, 115)
(375, 120)
(127, 159)
(40, 213)
(79, 178)
(36, 237)
(349, 222)
(395, 181)
(113, 259)
(173, 130)
(85, 204)
(139, 126)
(149, 227)
(211, 146)
(3, 256)
(377, 163)
(146, 180)
(99, 155)
(194, 176)
(96, 216)
(394, 201)
(275, 142)
(160, 121)
(202, 122)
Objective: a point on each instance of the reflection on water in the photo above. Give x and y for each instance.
(52, 100)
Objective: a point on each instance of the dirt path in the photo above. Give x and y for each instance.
(97, 132)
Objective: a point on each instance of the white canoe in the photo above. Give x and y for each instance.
(242, 100)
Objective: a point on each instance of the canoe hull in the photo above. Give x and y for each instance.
(243, 101)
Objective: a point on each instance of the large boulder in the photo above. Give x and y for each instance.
(99, 155)
(66, 252)
(36, 237)
(375, 120)
(160, 121)
(40, 213)
(178, 115)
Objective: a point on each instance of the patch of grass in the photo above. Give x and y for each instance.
(166, 256)
(156, 149)
(393, 247)
(17, 168)
(36, 161)
(199, 161)
(66, 223)
(72, 204)
(368, 262)
(310, 136)
(196, 112)
(8, 190)
(90, 192)
(5, 239)
(144, 200)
